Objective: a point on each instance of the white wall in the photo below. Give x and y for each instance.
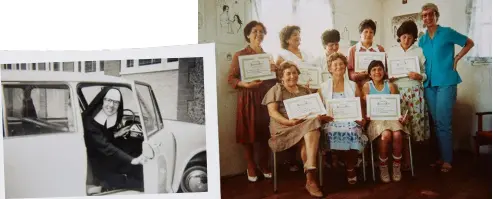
(474, 93)
(231, 153)
(165, 87)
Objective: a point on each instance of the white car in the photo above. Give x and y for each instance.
(44, 148)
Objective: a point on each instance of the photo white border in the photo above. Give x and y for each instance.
(206, 51)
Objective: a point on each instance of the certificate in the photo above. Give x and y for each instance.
(383, 106)
(345, 109)
(401, 66)
(363, 59)
(255, 67)
(312, 74)
(305, 106)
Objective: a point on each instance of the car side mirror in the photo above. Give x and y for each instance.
(147, 150)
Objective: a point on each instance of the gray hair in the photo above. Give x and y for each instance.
(433, 7)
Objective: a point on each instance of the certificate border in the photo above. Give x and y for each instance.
(243, 58)
(319, 76)
(330, 102)
(417, 69)
(314, 95)
(358, 54)
(395, 97)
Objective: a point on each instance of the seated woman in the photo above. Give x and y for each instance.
(112, 166)
(343, 137)
(389, 131)
(286, 133)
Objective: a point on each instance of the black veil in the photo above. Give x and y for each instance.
(97, 104)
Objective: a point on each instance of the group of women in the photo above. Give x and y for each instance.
(262, 117)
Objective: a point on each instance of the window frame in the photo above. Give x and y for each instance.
(165, 65)
(46, 86)
(470, 10)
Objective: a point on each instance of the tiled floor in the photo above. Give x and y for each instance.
(467, 180)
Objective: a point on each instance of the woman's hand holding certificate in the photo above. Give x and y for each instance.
(256, 67)
(402, 66)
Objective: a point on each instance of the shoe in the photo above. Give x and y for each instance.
(313, 190)
(384, 173)
(250, 178)
(293, 167)
(396, 172)
(352, 180)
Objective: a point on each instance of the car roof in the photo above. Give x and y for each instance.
(56, 76)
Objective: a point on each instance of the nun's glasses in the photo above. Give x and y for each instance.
(114, 102)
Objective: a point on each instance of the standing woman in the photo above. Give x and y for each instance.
(367, 30)
(438, 45)
(290, 38)
(411, 87)
(330, 42)
(252, 118)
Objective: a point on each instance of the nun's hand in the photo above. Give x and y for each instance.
(123, 131)
(139, 160)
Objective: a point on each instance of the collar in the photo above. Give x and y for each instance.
(250, 49)
(412, 47)
(102, 118)
(439, 28)
(360, 46)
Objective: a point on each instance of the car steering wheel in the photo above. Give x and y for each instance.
(127, 132)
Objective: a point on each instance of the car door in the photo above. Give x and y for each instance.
(44, 151)
(158, 145)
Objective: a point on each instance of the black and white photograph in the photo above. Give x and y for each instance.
(108, 125)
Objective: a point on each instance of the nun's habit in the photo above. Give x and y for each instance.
(109, 164)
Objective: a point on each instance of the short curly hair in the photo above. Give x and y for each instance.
(408, 27)
(286, 33)
(284, 66)
(330, 36)
(248, 29)
(433, 7)
(368, 23)
(335, 56)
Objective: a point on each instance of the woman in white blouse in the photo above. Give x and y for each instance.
(411, 87)
(290, 37)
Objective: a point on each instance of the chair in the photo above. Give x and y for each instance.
(482, 137)
(408, 137)
(320, 168)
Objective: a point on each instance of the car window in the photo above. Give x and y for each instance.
(149, 109)
(33, 109)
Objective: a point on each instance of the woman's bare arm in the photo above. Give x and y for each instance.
(274, 113)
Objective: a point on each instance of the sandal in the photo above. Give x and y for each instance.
(446, 167)
(352, 180)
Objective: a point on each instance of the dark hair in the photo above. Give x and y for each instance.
(248, 29)
(284, 66)
(408, 27)
(330, 36)
(286, 33)
(224, 7)
(377, 63)
(236, 16)
(368, 23)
